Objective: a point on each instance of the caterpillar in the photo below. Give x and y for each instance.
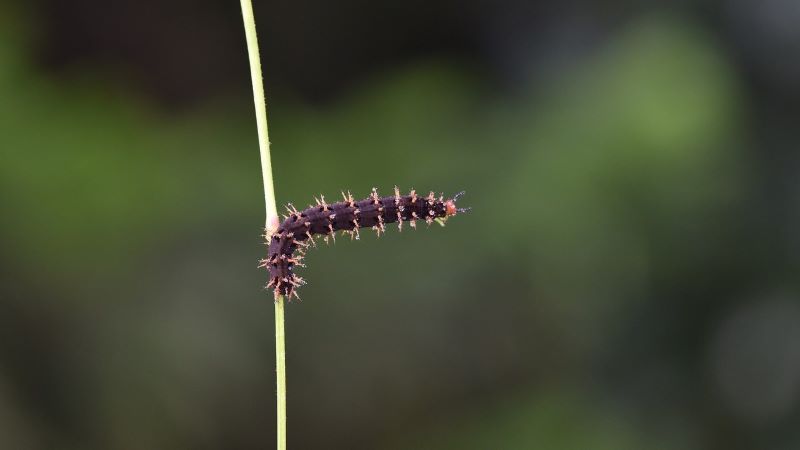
(287, 245)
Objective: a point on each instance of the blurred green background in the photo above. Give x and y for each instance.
(627, 278)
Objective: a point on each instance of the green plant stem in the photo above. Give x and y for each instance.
(272, 210)
(280, 368)
(261, 107)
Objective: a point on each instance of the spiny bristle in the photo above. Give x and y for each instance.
(311, 238)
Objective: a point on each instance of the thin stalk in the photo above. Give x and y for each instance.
(280, 367)
(269, 200)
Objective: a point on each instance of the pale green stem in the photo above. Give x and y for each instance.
(269, 199)
(261, 108)
(280, 367)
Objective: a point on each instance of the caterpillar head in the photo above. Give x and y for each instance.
(450, 205)
(451, 209)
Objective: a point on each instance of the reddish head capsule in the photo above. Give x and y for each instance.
(450, 207)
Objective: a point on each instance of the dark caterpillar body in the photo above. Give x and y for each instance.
(288, 243)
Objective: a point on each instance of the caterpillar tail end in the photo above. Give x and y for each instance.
(286, 287)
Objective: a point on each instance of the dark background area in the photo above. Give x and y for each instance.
(627, 277)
